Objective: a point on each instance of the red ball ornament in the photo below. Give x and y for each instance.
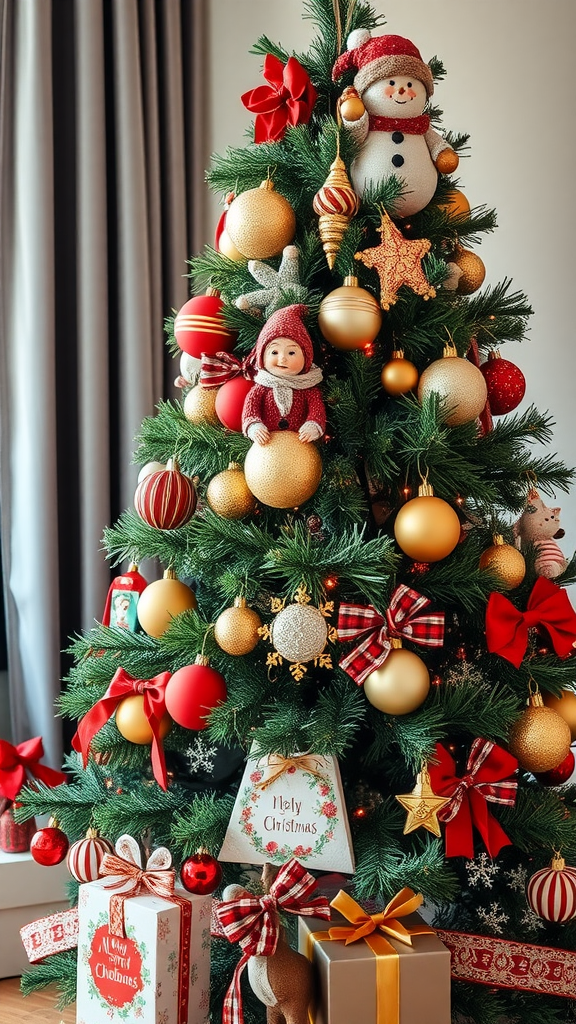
(230, 402)
(200, 326)
(167, 499)
(556, 776)
(49, 846)
(505, 383)
(192, 693)
(86, 855)
(201, 873)
(551, 892)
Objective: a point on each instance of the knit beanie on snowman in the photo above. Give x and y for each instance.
(379, 58)
(284, 323)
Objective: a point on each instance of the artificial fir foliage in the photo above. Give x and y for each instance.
(339, 547)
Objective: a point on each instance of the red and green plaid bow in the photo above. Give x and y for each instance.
(253, 922)
(401, 620)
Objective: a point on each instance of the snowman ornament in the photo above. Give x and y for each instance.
(383, 111)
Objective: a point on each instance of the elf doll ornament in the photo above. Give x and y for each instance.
(383, 112)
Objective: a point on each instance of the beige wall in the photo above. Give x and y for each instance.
(510, 85)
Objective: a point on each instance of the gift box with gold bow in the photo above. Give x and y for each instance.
(383, 968)
(143, 944)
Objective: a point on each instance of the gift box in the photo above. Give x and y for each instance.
(150, 973)
(377, 979)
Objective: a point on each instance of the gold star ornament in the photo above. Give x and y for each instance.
(397, 261)
(422, 805)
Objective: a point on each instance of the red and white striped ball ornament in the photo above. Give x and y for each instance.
(166, 499)
(200, 327)
(86, 855)
(551, 892)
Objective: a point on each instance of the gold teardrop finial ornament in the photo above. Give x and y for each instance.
(336, 203)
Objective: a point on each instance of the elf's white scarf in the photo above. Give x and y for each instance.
(283, 387)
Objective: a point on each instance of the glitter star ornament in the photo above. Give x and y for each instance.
(397, 261)
(278, 287)
(422, 805)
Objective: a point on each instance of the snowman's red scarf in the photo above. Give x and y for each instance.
(408, 125)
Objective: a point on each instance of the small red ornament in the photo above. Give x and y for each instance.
(230, 402)
(192, 693)
(86, 855)
(200, 326)
(15, 837)
(201, 873)
(167, 499)
(49, 845)
(505, 382)
(556, 776)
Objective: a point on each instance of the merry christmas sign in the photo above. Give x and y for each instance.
(290, 807)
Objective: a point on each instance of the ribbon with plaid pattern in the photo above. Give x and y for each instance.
(218, 369)
(253, 922)
(490, 776)
(401, 620)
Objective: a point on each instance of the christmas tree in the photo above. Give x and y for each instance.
(362, 584)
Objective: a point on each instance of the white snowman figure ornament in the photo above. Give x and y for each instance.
(384, 113)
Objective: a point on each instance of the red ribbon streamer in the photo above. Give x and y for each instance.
(548, 606)
(15, 762)
(124, 685)
(253, 922)
(489, 777)
(401, 620)
(288, 99)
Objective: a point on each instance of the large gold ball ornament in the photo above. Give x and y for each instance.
(505, 562)
(399, 376)
(460, 385)
(456, 204)
(350, 317)
(473, 271)
(132, 723)
(285, 472)
(565, 706)
(400, 685)
(299, 633)
(352, 108)
(260, 222)
(200, 405)
(427, 528)
(540, 739)
(236, 628)
(228, 494)
(161, 601)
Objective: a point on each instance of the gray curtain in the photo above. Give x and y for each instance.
(101, 160)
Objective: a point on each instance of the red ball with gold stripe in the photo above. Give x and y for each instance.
(551, 892)
(86, 855)
(167, 499)
(200, 326)
(335, 203)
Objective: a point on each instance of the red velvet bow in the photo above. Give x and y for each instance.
(124, 685)
(288, 100)
(253, 922)
(16, 761)
(548, 606)
(489, 777)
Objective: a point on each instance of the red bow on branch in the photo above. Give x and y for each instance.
(489, 777)
(217, 370)
(288, 100)
(401, 620)
(253, 922)
(15, 762)
(121, 686)
(548, 606)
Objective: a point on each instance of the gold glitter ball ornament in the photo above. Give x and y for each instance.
(236, 628)
(350, 317)
(400, 685)
(132, 723)
(399, 376)
(260, 222)
(540, 739)
(229, 495)
(473, 271)
(299, 633)
(565, 706)
(161, 601)
(506, 562)
(427, 528)
(285, 472)
(460, 385)
(200, 405)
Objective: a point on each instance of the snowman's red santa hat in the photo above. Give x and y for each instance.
(381, 57)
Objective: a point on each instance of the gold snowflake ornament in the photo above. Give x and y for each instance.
(299, 633)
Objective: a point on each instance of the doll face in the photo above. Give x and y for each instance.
(283, 356)
(397, 96)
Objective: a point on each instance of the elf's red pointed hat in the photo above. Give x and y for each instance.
(284, 323)
(381, 57)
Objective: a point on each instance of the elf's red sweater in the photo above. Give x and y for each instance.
(260, 407)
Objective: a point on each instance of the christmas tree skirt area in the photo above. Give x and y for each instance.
(37, 1008)
(27, 893)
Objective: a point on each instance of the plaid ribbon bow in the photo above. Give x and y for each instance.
(253, 922)
(401, 620)
(220, 368)
(490, 776)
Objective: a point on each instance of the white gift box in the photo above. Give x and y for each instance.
(136, 978)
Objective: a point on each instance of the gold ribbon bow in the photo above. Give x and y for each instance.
(278, 766)
(134, 881)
